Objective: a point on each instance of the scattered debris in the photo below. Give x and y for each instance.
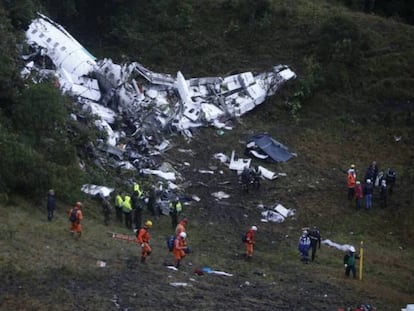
(220, 195)
(97, 190)
(277, 214)
(409, 307)
(101, 264)
(342, 247)
(238, 164)
(172, 268)
(179, 284)
(210, 271)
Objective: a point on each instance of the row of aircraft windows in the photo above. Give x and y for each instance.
(49, 40)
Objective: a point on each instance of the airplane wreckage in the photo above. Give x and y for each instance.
(151, 105)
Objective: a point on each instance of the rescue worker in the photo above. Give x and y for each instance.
(383, 194)
(390, 178)
(143, 238)
(245, 179)
(351, 182)
(118, 207)
(250, 241)
(137, 189)
(304, 245)
(75, 218)
(349, 262)
(257, 176)
(175, 209)
(181, 226)
(180, 248)
(137, 207)
(127, 210)
(315, 240)
(372, 171)
(51, 204)
(106, 209)
(368, 190)
(358, 195)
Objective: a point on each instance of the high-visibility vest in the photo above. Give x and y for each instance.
(178, 206)
(118, 200)
(126, 206)
(137, 188)
(351, 180)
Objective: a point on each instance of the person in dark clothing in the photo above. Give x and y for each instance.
(349, 262)
(383, 194)
(175, 209)
(245, 179)
(390, 178)
(106, 210)
(372, 172)
(51, 204)
(256, 176)
(137, 207)
(368, 189)
(153, 206)
(315, 239)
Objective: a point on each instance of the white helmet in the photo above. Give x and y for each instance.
(254, 228)
(368, 181)
(183, 235)
(352, 249)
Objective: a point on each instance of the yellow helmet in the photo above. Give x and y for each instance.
(148, 223)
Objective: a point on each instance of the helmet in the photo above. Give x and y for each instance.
(148, 223)
(183, 235)
(254, 228)
(368, 181)
(352, 165)
(78, 204)
(352, 249)
(358, 182)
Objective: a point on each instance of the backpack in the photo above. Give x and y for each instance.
(244, 237)
(170, 242)
(73, 215)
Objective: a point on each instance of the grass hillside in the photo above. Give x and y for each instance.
(352, 97)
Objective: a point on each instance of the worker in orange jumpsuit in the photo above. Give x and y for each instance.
(180, 248)
(351, 182)
(250, 242)
(143, 238)
(75, 218)
(181, 226)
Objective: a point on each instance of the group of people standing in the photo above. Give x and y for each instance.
(373, 178)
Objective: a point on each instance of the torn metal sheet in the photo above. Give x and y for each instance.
(238, 164)
(263, 146)
(220, 195)
(97, 190)
(278, 214)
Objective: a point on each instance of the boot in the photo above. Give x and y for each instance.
(142, 259)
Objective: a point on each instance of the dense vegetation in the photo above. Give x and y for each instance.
(354, 93)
